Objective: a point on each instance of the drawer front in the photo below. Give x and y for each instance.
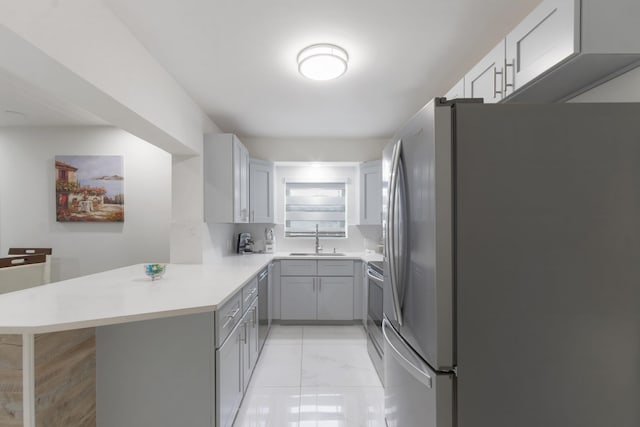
(335, 268)
(249, 293)
(227, 317)
(298, 267)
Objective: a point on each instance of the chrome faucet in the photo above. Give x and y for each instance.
(318, 247)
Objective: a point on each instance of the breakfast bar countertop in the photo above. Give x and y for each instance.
(126, 294)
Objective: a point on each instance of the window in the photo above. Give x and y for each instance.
(308, 204)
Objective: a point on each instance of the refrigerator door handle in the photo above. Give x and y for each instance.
(402, 235)
(390, 212)
(391, 231)
(405, 356)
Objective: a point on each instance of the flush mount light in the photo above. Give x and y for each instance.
(322, 61)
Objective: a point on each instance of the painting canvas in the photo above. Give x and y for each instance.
(89, 189)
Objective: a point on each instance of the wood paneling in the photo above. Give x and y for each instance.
(65, 373)
(10, 380)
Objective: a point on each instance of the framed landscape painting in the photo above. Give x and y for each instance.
(89, 189)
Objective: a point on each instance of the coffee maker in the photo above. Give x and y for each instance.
(245, 243)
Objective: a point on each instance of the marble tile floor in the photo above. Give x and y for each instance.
(314, 376)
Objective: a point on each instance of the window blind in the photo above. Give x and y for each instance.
(308, 204)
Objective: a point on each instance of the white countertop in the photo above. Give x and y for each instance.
(127, 295)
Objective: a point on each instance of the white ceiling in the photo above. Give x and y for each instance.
(237, 58)
(23, 105)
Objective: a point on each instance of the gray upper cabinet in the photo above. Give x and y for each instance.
(546, 37)
(457, 91)
(226, 179)
(565, 47)
(486, 78)
(261, 186)
(561, 49)
(240, 182)
(371, 193)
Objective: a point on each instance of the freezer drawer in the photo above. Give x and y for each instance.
(414, 395)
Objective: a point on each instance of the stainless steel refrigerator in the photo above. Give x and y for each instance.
(512, 266)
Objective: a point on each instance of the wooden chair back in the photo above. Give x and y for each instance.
(25, 268)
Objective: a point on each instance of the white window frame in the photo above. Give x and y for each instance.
(310, 232)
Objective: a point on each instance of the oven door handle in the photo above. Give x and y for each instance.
(375, 276)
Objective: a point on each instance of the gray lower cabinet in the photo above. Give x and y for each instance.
(194, 369)
(229, 377)
(250, 349)
(335, 298)
(298, 298)
(317, 298)
(316, 290)
(236, 358)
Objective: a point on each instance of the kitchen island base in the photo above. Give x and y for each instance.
(48, 380)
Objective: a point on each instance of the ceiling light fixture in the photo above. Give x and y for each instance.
(322, 61)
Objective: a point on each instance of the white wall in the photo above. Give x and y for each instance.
(315, 150)
(219, 240)
(91, 43)
(27, 199)
(624, 88)
(80, 52)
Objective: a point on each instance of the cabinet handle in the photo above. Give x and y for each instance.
(227, 322)
(511, 85)
(255, 310)
(230, 318)
(245, 332)
(314, 284)
(319, 284)
(240, 374)
(497, 92)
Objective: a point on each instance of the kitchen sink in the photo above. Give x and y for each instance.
(315, 254)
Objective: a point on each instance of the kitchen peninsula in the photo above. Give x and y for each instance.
(152, 348)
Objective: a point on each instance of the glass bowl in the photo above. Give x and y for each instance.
(155, 271)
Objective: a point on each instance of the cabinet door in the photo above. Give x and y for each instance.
(335, 298)
(240, 182)
(261, 192)
(229, 387)
(270, 293)
(244, 184)
(298, 298)
(485, 80)
(371, 193)
(249, 343)
(253, 336)
(457, 91)
(546, 37)
(246, 350)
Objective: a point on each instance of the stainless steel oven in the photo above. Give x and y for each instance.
(375, 339)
